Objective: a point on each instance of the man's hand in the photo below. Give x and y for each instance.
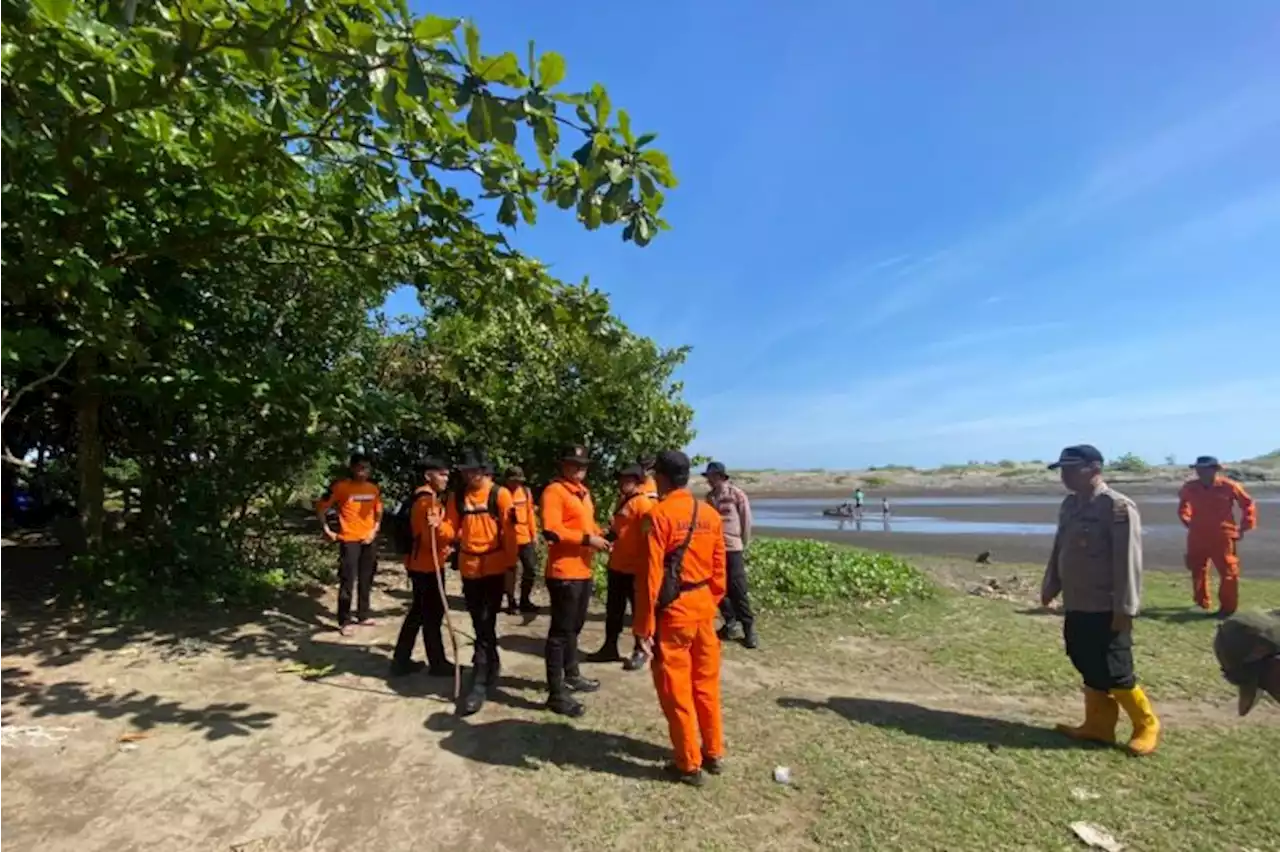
(646, 645)
(597, 543)
(435, 517)
(1047, 600)
(371, 538)
(329, 534)
(1121, 622)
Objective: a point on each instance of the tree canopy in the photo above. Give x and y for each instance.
(203, 201)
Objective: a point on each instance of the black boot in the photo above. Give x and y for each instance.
(577, 683)
(495, 669)
(561, 702)
(527, 606)
(440, 668)
(728, 631)
(476, 692)
(401, 668)
(512, 608)
(751, 639)
(608, 652)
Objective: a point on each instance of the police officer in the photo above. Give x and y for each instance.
(1096, 565)
(1248, 649)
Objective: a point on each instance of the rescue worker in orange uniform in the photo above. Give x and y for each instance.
(1206, 507)
(479, 514)
(629, 557)
(573, 539)
(426, 613)
(358, 501)
(677, 600)
(525, 523)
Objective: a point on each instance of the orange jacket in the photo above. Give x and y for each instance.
(568, 518)
(630, 553)
(704, 561)
(486, 545)
(359, 507)
(1211, 508)
(526, 522)
(425, 501)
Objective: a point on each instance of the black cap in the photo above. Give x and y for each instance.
(431, 463)
(515, 472)
(647, 461)
(1206, 461)
(672, 463)
(1077, 456)
(634, 471)
(358, 458)
(576, 454)
(716, 467)
(473, 460)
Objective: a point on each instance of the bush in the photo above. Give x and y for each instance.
(1130, 463)
(875, 481)
(794, 573)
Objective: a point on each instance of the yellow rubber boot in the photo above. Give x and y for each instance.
(1146, 727)
(1100, 717)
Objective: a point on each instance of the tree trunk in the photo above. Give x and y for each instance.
(89, 451)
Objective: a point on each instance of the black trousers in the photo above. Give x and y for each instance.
(484, 599)
(357, 563)
(569, 602)
(1104, 657)
(528, 569)
(736, 605)
(621, 593)
(426, 613)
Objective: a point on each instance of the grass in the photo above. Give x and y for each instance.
(926, 724)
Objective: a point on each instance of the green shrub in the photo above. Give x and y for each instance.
(1007, 464)
(794, 573)
(1130, 463)
(875, 481)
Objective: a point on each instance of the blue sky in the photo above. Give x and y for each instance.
(927, 232)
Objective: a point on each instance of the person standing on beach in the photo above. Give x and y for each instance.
(858, 499)
(1096, 565)
(1206, 507)
(735, 516)
(358, 501)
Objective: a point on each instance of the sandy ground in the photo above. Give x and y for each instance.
(1163, 542)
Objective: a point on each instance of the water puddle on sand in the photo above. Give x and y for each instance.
(874, 522)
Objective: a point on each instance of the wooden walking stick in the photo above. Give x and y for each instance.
(448, 622)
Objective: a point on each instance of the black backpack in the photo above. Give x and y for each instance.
(673, 568)
(402, 525)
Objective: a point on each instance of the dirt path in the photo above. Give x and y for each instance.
(231, 750)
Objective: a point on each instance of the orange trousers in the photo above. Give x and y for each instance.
(686, 673)
(1220, 549)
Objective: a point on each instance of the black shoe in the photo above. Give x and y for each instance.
(565, 706)
(608, 653)
(512, 607)
(578, 683)
(444, 669)
(713, 765)
(751, 640)
(528, 607)
(696, 778)
(728, 631)
(407, 667)
(635, 662)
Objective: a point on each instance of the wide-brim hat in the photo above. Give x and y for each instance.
(473, 460)
(514, 473)
(576, 454)
(632, 471)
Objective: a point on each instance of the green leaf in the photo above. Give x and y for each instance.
(583, 154)
(430, 27)
(551, 70)
(279, 117)
(502, 69)
(416, 81)
(362, 36)
(546, 133)
(507, 212)
(55, 10)
(643, 233)
(480, 119)
(645, 139)
(647, 187)
(473, 44)
(600, 100)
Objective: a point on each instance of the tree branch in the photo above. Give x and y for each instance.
(11, 401)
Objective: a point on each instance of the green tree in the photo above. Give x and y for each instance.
(203, 199)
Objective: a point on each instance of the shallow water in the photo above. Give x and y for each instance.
(895, 523)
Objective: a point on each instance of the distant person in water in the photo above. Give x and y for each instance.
(858, 499)
(884, 507)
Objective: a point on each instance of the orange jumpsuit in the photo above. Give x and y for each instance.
(686, 663)
(1208, 513)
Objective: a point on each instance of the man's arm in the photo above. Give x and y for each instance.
(1185, 511)
(650, 580)
(507, 527)
(324, 504)
(377, 515)
(1248, 509)
(1051, 584)
(1126, 560)
(719, 582)
(744, 515)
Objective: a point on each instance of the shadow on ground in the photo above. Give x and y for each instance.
(522, 744)
(1178, 614)
(939, 725)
